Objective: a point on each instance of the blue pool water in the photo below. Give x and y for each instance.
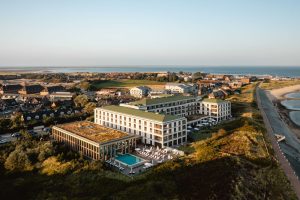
(129, 159)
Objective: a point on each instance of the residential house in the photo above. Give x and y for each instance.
(182, 88)
(140, 91)
(61, 96)
(31, 89)
(52, 89)
(218, 94)
(10, 89)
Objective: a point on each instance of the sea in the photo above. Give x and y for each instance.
(293, 104)
(281, 71)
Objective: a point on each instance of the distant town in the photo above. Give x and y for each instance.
(30, 100)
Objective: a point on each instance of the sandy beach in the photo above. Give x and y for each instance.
(276, 96)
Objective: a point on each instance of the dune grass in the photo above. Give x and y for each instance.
(279, 84)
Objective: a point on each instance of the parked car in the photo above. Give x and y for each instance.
(3, 141)
(47, 129)
(17, 134)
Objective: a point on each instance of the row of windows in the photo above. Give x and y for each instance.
(85, 148)
(122, 119)
(171, 104)
(175, 142)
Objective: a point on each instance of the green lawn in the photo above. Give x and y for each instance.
(124, 83)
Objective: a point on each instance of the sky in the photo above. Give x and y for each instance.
(152, 32)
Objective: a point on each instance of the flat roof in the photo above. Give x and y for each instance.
(140, 113)
(92, 131)
(213, 100)
(148, 102)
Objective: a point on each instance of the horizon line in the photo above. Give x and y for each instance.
(140, 66)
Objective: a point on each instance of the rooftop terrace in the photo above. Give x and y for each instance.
(91, 131)
(147, 102)
(213, 100)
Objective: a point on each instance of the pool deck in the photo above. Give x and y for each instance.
(140, 167)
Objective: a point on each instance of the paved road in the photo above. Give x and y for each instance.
(9, 138)
(287, 152)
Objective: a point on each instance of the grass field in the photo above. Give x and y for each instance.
(278, 84)
(125, 83)
(242, 103)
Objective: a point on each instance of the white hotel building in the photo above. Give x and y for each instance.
(155, 129)
(184, 106)
(163, 121)
(216, 108)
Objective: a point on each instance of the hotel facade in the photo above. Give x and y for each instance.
(155, 129)
(216, 108)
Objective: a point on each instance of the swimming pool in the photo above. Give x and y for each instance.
(129, 159)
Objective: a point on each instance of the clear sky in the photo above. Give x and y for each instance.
(152, 32)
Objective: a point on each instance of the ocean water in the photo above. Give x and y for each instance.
(291, 104)
(256, 70)
(295, 117)
(295, 95)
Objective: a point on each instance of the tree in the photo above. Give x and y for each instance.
(48, 120)
(26, 134)
(84, 85)
(5, 125)
(197, 76)
(17, 121)
(89, 107)
(81, 100)
(18, 161)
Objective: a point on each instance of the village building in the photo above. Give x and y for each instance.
(140, 91)
(10, 88)
(52, 89)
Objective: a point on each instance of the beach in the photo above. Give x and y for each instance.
(276, 96)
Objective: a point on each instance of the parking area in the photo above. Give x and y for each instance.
(10, 137)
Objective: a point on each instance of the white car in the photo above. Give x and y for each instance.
(3, 141)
